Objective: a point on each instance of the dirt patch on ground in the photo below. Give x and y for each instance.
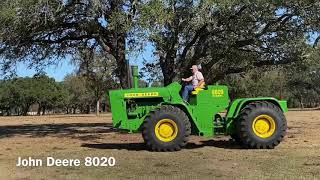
(80, 136)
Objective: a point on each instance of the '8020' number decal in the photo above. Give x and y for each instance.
(217, 92)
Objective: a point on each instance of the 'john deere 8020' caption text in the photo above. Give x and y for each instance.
(50, 161)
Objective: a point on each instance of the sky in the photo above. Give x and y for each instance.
(58, 72)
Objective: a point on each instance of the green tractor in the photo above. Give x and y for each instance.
(166, 121)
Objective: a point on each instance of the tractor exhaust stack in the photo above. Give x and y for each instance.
(135, 76)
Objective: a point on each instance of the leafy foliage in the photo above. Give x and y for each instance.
(229, 37)
(20, 93)
(98, 70)
(298, 83)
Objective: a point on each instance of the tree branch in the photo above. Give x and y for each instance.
(282, 19)
(65, 38)
(192, 42)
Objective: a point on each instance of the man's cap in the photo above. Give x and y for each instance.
(194, 67)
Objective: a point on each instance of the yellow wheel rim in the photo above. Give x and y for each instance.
(166, 130)
(264, 126)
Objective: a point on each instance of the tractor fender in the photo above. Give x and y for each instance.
(238, 104)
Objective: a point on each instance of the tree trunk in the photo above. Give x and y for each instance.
(107, 106)
(167, 79)
(118, 50)
(98, 107)
(120, 54)
(43, 110)
(9, 112)
(81, 109)
(39, 109)
(26, 109)
(88, 109)
(301, 103)
(168, 71)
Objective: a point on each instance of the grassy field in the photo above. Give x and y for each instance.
(80, 136)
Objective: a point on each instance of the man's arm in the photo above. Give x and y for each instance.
(200, 82)
(187, 79)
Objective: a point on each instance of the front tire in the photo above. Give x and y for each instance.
(166, 129)
(261, 125)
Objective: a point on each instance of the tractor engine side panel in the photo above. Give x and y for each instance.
(130, 107)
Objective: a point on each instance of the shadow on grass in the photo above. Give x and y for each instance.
(141, 146)
(79, 115)
(118, 146)
(225, 144)
(82, 131)
(304, 109)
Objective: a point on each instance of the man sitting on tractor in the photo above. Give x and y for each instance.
(197, 81)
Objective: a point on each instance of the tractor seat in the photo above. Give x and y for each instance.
(198, 89)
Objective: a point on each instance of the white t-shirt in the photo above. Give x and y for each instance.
(196, 78)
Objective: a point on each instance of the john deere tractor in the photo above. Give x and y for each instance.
(166, 121)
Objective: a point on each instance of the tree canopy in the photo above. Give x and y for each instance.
(228, 37)
(42, 31)
(41, 94)
(18, 94)
(225, 37)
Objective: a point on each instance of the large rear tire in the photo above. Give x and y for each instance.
(261, 125)
(166, 129)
